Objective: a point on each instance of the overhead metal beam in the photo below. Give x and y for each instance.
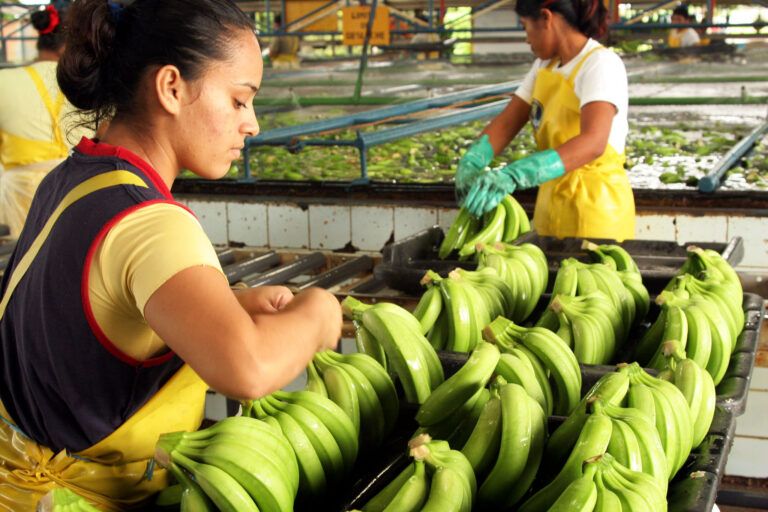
(661, 5)
(321, 12)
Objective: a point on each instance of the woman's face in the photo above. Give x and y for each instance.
(214, 124)
(539, 34)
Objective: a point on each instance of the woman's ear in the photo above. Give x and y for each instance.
(546, 17)
(169, 87)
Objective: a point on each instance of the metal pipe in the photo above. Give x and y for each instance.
(290, 132)
(339, 274)
(364, 56)
(237, 271)
(748, 100)
(711, 181)
(650, 10)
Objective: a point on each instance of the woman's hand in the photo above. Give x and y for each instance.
(264, 299)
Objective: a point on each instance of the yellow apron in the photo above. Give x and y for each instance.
(593, 201)
(112, 474)
(27, 161)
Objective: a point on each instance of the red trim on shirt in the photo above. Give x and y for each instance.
(86, 297)
(93, 148)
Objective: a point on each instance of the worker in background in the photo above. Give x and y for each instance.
(284, 48)
(115, 315)
(682, 37)
(576, 98)
(33, 113)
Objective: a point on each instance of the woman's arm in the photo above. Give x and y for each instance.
(504, 127)
(240, 355)
(596, 122)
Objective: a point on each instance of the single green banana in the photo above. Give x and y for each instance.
(699, 345)
(457, 389)
(367, 344)
(223, 490)
(625, 447)
(651, 339)
(592, 441)
(482, 447)
(446, 493)
(438, 336)
(459, 312)
(607, 500)
(538, 440)
(516, 369)
(380, 502)
(457, 233)
(525, 223)
(413, 494)
(342, 391)
(315, 382)
(675, 329)
(579, 496)
(333, 416)
(541, 373)
(511, 220)
(634, 285)
(699, 390)
(492, 231)
(312, 479)
(429, 308)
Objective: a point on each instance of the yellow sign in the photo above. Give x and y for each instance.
(295, 9)
(355, 21)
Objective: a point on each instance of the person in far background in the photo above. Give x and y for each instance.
(576, 97)
(32, 118)
(284, 49)
(682, 37)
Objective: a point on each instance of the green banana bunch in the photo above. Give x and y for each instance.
(610, 388)
(460, 387)
(592, 322)
(551, 351)
(593, 441)
(521, 446)
(672, 414)
(697, 387)
(523, 268)
(708, 265)
(374, 391)
(566, 283)
(61, 499)
(635, 491)
(234, 462)
(647, 455)
(463, 228)
(504, 224)
(615, 256)
(409, 353)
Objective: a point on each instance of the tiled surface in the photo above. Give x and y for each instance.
(702, 229)
(655, 227)
(213, 217)
(445, 217)
(248, 223)
(754, 421)
(409, 221)
(288, 226)
(372, 226)
(748, 458)
(754, 231)
(330, 227)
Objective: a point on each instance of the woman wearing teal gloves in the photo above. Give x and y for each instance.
(576, 99)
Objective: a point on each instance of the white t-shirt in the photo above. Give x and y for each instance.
(688, 37)
(603, 77)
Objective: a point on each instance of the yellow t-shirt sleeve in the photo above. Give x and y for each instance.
(138, 255)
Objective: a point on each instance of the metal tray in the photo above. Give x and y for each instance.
(405, 262)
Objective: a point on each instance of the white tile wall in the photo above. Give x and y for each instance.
(759, 382)
(288, 226)
(372, 226)
(445, 217)
(409, 221)
(754, 421)
(330, 227)
(248, 223)
(747, 458)
(702, 229)
(655, 227)
(754, 231)
(213, 217)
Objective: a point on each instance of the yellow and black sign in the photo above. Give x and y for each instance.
(355, 21)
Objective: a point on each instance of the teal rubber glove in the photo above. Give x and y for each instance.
(489, 189)
(473, 164)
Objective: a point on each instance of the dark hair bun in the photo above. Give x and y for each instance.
(41, 20)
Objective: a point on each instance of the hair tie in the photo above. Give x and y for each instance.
(54, 20)
(115, 10)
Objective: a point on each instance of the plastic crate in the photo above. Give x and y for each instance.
(405, 262)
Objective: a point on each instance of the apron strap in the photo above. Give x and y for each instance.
(578, 66)
(102, 181)
(52, 106)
